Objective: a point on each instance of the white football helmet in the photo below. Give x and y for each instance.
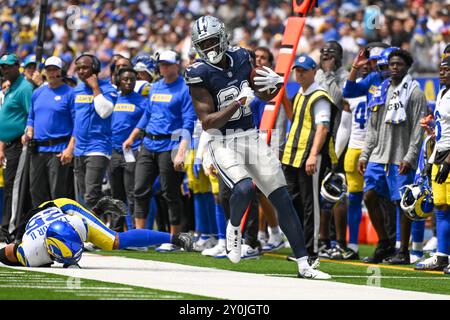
(334, 187)
(208, 27)
(417, 200)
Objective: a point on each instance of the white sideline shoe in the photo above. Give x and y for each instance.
(214, 251)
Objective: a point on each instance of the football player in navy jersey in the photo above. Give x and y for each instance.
(220, 91)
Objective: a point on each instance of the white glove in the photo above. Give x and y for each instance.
(208, 167)
(269, 79)
(246, 93)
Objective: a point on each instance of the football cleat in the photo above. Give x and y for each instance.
(311, 273)
(183, 240)
(233, 243)
(434, 263)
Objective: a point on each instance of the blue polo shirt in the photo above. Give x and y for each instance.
(170, 109)
(92, 133)
(128, 110)
(14, 109)
(52, 115)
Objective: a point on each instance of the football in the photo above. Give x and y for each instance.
(266, 95)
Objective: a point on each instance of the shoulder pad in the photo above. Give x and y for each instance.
(196, 73)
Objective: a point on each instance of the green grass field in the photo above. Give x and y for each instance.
(30, 285)
(354, 272)
(19, 284)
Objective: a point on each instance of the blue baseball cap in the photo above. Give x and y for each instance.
(305, 62)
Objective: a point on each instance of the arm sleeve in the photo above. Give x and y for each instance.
(103, 106)
(204, 138)
(343, 133)
(417, 110)
(322, 112)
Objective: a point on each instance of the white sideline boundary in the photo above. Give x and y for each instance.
(224, 284)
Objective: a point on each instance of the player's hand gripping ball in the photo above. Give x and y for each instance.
(265, 82)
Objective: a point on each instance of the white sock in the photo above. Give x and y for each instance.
(353, 246)
(221, 242)
(262, 235)
(398, 244)
(440, 254)
(303, 263)
(274, 231)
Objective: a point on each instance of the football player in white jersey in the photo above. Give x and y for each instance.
(58, 229)
(352, 129)
(440, 178)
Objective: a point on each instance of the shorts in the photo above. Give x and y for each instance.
(385, 180)
(355, 181)
(244, 155)
(441, 192)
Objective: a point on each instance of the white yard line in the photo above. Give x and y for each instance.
(223, 284)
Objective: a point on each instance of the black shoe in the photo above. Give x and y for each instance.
(343, 253)
(183, 240)
(349, 254)
(380, 254)
(109, 205)
(398, 258)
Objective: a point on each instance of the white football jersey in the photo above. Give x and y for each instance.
(32, 251)
(358, 107)
(442, 117)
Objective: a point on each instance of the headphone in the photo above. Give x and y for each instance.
(96, 64)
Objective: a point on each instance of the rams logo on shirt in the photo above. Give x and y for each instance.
(161, 97)
(125, 107)
(373, 89)
(84, 98)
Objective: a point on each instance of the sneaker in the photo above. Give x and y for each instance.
(350, 254)
(336, 253)
(202, 244)
(311, 273)
(325, 253)
(167, 247)
(434, 263)
(398, 259)
(222, 254)
(108, 205)
(414, 258)
(247, 252)
(431, 244)
(274, 243)
(380, 254)
(233, 243)
(447, 269)
(183, 240)
(214, 251)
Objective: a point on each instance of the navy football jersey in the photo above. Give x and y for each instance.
(225, 85)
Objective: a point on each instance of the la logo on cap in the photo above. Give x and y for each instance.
(301, 59)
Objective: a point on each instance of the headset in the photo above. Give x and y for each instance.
(96, 64)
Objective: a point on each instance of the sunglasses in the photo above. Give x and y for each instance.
(327, 50)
